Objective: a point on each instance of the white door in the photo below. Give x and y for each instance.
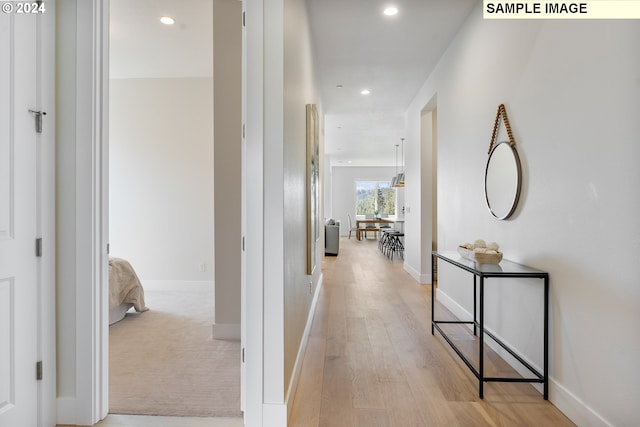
(18, 220)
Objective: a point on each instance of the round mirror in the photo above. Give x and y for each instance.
(502, 180)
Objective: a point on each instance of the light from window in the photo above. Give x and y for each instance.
(375, 197)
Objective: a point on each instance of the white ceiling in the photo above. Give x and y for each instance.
(142, 47)
(356, 46)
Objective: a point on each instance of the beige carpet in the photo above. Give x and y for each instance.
(164, 361)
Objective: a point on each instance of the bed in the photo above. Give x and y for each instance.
(125, 290)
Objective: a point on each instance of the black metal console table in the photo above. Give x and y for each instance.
(506, 269)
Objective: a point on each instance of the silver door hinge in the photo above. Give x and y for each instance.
(39, 247)
(243, 19)
(39, 370)
(38, 116)
(242, 243)
(243, 355)
(243, 131)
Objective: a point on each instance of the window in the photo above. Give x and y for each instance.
(375, 197)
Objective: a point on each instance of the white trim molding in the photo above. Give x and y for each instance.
(253, 202)
(83, 198)
(274, 414)
(228, 331)
(47, 196)
(297, 367)
(423, 279)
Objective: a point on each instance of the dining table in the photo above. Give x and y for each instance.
(369, 221)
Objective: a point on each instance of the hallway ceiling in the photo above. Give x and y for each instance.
(356, 46)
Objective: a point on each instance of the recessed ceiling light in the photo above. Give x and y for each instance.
(167, 20)
(365, 91)
(390, 11)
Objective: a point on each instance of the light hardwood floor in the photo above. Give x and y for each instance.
(372, 361)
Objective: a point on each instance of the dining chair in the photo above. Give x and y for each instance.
(351, 226)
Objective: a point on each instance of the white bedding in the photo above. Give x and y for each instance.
(125, 289)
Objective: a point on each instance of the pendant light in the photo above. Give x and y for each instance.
(399, 178)
(394, 180)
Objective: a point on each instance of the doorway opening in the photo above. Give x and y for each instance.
(161, 212)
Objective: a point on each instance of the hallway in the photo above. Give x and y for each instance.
(372, 361)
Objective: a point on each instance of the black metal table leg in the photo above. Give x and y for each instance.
(475, 304)
(546, 339)
(433, 295)
(481, 359)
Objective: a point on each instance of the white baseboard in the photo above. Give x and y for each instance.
(66, 407)
(177, 285)
(73, 411)
(455, 308)
(570, 405)
(226, 331)
(293, 383)
(575, 409)
(420, 278)
(274, 414)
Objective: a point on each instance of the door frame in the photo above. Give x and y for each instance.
(46, 96)
(90, 403)
(82, 193)
(93, 339)
(252, 202)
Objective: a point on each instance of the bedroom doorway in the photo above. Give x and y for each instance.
(161, 212)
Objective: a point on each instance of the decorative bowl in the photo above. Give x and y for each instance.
(485, 258)
(481, 258)
(466, 253)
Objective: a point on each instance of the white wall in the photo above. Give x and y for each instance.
(327, 187)
(161, 176)
(227, 27)
(299, 89)
(343, 194)
(572, 93)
